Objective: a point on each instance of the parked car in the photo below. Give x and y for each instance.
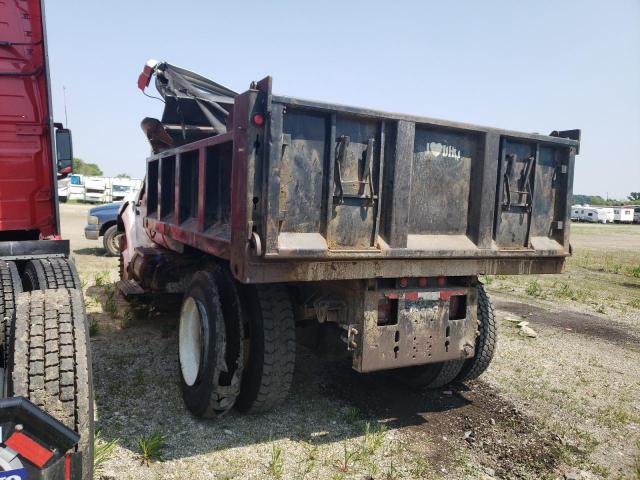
(102, 222)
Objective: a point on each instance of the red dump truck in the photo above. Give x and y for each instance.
(46, 414)
(352, 231)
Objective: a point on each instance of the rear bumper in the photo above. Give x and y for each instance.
(92, 232)
(27, 249)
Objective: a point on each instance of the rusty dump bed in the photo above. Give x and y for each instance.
(297, 190)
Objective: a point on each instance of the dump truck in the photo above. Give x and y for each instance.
(354, 232)
(46, 410)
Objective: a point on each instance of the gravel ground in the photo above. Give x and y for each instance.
(562, 405)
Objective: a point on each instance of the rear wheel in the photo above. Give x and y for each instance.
(485, 342)
(270, 338)
(50, 273)
(210, 344)
(50, 361)
(111, 241)
(433, 375)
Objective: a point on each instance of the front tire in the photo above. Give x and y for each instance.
(111, 241)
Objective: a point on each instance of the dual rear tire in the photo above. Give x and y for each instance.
(236, 345)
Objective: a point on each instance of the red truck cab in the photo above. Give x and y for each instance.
(29, 168)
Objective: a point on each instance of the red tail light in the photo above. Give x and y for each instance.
(422, 281)
(257, 119)
(404, 281)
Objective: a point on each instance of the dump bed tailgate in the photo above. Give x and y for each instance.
(348, 183)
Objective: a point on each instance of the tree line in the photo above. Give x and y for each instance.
(91, 169)
(598, 200)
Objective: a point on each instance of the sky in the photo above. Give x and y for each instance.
(534, 66)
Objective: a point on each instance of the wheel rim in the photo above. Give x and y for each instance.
(114, 243)
(190, 340)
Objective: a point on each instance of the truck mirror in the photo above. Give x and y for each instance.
(64, 152)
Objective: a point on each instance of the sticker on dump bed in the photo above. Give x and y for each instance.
(19, 474)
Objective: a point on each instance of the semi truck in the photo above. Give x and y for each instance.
(46, 410)
(355, 232)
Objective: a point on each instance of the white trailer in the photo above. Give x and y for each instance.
(623, 214)
(95, 189)
(76, 187)
(587, 213)
(636, 212)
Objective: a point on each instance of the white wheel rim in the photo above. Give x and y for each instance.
(190, 340)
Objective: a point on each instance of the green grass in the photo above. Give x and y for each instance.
(351, 415)
(276, 463)
(102, 451)
(348, 459)
(94, 328)
(150, 447)
(373, 438)
(101, 278)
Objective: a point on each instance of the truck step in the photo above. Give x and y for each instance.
(130, 288)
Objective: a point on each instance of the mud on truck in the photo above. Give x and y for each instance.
(46, 410)
(355, 232)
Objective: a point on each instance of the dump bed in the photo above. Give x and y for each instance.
(300, 190)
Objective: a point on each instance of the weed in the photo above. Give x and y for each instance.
(94, 328)
(613, 416)
(635, 271)
(600, 470)
(275, 464)
(110, 303)
(634, 303)
(151, 447)
(487, 279)
(311, 458)
(102, 450)
(101, 278)
(373, 438)
(391, 473)
(421, 467)
(534, 289)
(351, 415)
(348, 458)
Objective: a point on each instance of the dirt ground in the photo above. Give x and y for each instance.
(565, 404)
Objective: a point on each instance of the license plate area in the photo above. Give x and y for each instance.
(425, 328)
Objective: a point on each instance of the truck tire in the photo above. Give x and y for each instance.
(270, 334)
(431, 376)
(50, 273)
(485, 342)
(111, 241)
(50, 361)
(10, 286)
(210, 344)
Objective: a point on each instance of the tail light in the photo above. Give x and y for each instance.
(404, 281)
(257, 119)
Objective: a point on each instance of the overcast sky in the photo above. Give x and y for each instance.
(533, 66)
